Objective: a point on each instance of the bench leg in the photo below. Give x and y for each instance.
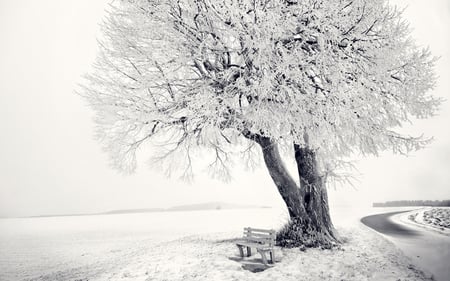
(241, 251)
(249, 251)
(272, 257)
(263, 257)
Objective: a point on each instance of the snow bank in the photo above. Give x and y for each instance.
(364, 256)
(432, 218)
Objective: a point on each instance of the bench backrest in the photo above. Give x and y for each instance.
(263, 236)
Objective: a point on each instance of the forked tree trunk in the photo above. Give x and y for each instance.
(310, 223)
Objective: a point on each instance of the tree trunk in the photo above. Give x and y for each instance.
(310, 223)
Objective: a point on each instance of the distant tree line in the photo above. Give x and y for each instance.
(406, 203)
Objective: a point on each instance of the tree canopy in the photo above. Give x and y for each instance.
(339, 77)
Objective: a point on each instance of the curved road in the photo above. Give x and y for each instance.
(383, 224)
(428, 250)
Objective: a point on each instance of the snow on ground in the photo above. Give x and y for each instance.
(438, 217)
(364, 256)
(432, 218)
(200, 254)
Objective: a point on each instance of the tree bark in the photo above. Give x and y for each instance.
(310, 223)
(314, 193)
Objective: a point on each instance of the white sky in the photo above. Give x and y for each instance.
(51, 164)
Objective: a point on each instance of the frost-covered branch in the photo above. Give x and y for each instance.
(210, 73)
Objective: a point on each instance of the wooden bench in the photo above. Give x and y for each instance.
(262, 240)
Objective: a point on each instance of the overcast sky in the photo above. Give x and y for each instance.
(50, 163)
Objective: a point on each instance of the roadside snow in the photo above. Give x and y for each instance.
(439, 217)
(431, 218)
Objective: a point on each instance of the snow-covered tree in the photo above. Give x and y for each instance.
(320, 80)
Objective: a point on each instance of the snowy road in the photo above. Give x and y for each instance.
(428, 250)
(383, 224)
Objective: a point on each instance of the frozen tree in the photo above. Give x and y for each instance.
(319, 80)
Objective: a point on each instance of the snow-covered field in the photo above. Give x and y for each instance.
(435, 218)
(85, 247)
(195, 245)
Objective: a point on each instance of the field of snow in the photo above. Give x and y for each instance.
(196, 245)
(84, 247)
